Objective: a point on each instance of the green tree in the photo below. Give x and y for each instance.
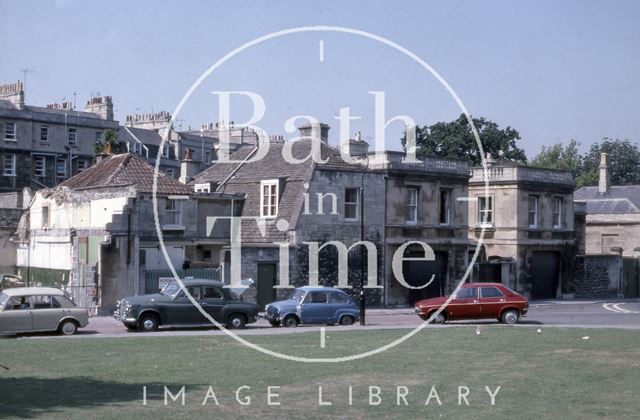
(623, 162)
(110, 137)
(562, 157)
(455, 140)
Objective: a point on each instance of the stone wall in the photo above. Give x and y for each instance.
(597, 276)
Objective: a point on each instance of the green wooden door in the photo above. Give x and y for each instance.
(266, 282)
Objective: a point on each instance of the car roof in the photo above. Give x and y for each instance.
(483, 284)
(22, 291)
(201, 282)
(319, 289)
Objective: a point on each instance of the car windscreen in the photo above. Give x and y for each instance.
(170, 289)
(297, 295)
(3, 300)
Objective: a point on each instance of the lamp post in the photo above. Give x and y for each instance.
(362, 295)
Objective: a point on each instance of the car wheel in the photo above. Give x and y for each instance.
(290, 321)
(439, 319)
(236, 322)
(510, 316)
(347, 320)
(68, 327)
(148, 323)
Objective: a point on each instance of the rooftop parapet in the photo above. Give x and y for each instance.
(521, 173)
(391, 160)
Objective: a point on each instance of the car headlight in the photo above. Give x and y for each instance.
(266, 308)
(127, 308)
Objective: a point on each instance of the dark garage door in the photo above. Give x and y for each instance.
(545, 272)
(417, 273)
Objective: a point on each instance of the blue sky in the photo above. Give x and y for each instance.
(554, 70)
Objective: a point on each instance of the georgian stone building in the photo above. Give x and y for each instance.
(42, 146)
(288, 205)
(528, 221)
(425, 201)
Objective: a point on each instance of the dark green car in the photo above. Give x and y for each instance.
(171, 307)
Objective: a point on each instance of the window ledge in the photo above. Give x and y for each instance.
(172, 227)
(11, 140)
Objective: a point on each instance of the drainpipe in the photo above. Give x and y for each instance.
(133, 202)
(362, 296)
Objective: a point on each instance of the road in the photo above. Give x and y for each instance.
(592, 314)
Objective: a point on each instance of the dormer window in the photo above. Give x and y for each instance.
(269, 198)
(202, 188)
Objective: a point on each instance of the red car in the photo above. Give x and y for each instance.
(474, 301)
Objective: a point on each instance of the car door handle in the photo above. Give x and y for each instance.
(475, 301)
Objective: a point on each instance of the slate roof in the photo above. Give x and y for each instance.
(125, 170)
(147, 137)
(39, 113)
(292, 177)
(624, 199)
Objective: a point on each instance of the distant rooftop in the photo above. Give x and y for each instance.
(624, 199)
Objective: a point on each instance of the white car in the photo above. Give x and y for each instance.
(36, 309)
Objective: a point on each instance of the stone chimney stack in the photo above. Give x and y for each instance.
(103, 106)
(157, 121)
(306, 131)
(188, 167)
(356, 146)
(605, 181)
(13, 93)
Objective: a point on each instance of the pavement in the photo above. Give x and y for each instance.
(623, 314)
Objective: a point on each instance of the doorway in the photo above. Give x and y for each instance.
(267, 278)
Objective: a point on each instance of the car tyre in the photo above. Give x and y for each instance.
(148, 323)
(236, 321)
(290, 321)
(347, 320)
(510, 316)
(439, 319)
(68, 327)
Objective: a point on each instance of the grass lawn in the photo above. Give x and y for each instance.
(556, 374)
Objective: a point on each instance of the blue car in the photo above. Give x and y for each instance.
(313, 305)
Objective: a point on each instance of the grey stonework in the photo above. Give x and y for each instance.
(597, 276)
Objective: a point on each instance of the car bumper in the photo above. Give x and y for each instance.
(272, 317)
(123, 318)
